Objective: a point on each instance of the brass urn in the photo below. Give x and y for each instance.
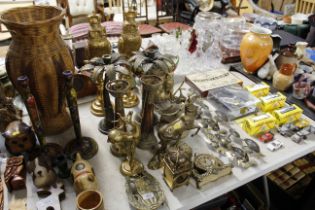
(130, 40)
(98, 42)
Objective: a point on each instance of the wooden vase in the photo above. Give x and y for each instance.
(38, 51)
(255, 47)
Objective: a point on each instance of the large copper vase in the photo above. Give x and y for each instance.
(38, 51)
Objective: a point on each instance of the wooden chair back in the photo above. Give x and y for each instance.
(77, 9)
(305, 6)
(114, 3)
(141, 7)
(167, 8)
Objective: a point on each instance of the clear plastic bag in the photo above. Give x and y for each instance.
(233, 100)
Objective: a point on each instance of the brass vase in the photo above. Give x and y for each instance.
(38, 51)
(130, 40)
(98, 42)
(150, 87)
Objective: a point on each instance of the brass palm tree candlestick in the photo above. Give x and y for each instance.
(85, 145)
(150, 86)
(107, 123)
(122, 67)
(130, 99)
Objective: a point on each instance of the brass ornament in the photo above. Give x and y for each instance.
(128, 139)
(151, 62)
(177, 165)
(107, 123)
(144, 192)
(97, 106)
(150, 86)
(130, 99)
(123, 69)
(118, 88)
(130, 40)
(172, 132)
(97, 42)
(208, 168)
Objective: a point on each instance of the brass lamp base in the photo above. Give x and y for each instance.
(130, 100)
(97, 108)
(127, 170)
(87, 147)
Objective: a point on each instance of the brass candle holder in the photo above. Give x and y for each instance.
(150, 87)
(130, 99)
(107, 123)
(117, 89)
(97, 106)
(84, 145)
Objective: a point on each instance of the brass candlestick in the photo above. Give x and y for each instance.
(130, 99)
(97, 106)
(150, 86)
(85, 145)
(107, 122)
(117, 89)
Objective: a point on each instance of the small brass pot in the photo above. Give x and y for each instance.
(90, 200)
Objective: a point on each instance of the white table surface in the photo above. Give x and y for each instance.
(186, 197)
(112, 183)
